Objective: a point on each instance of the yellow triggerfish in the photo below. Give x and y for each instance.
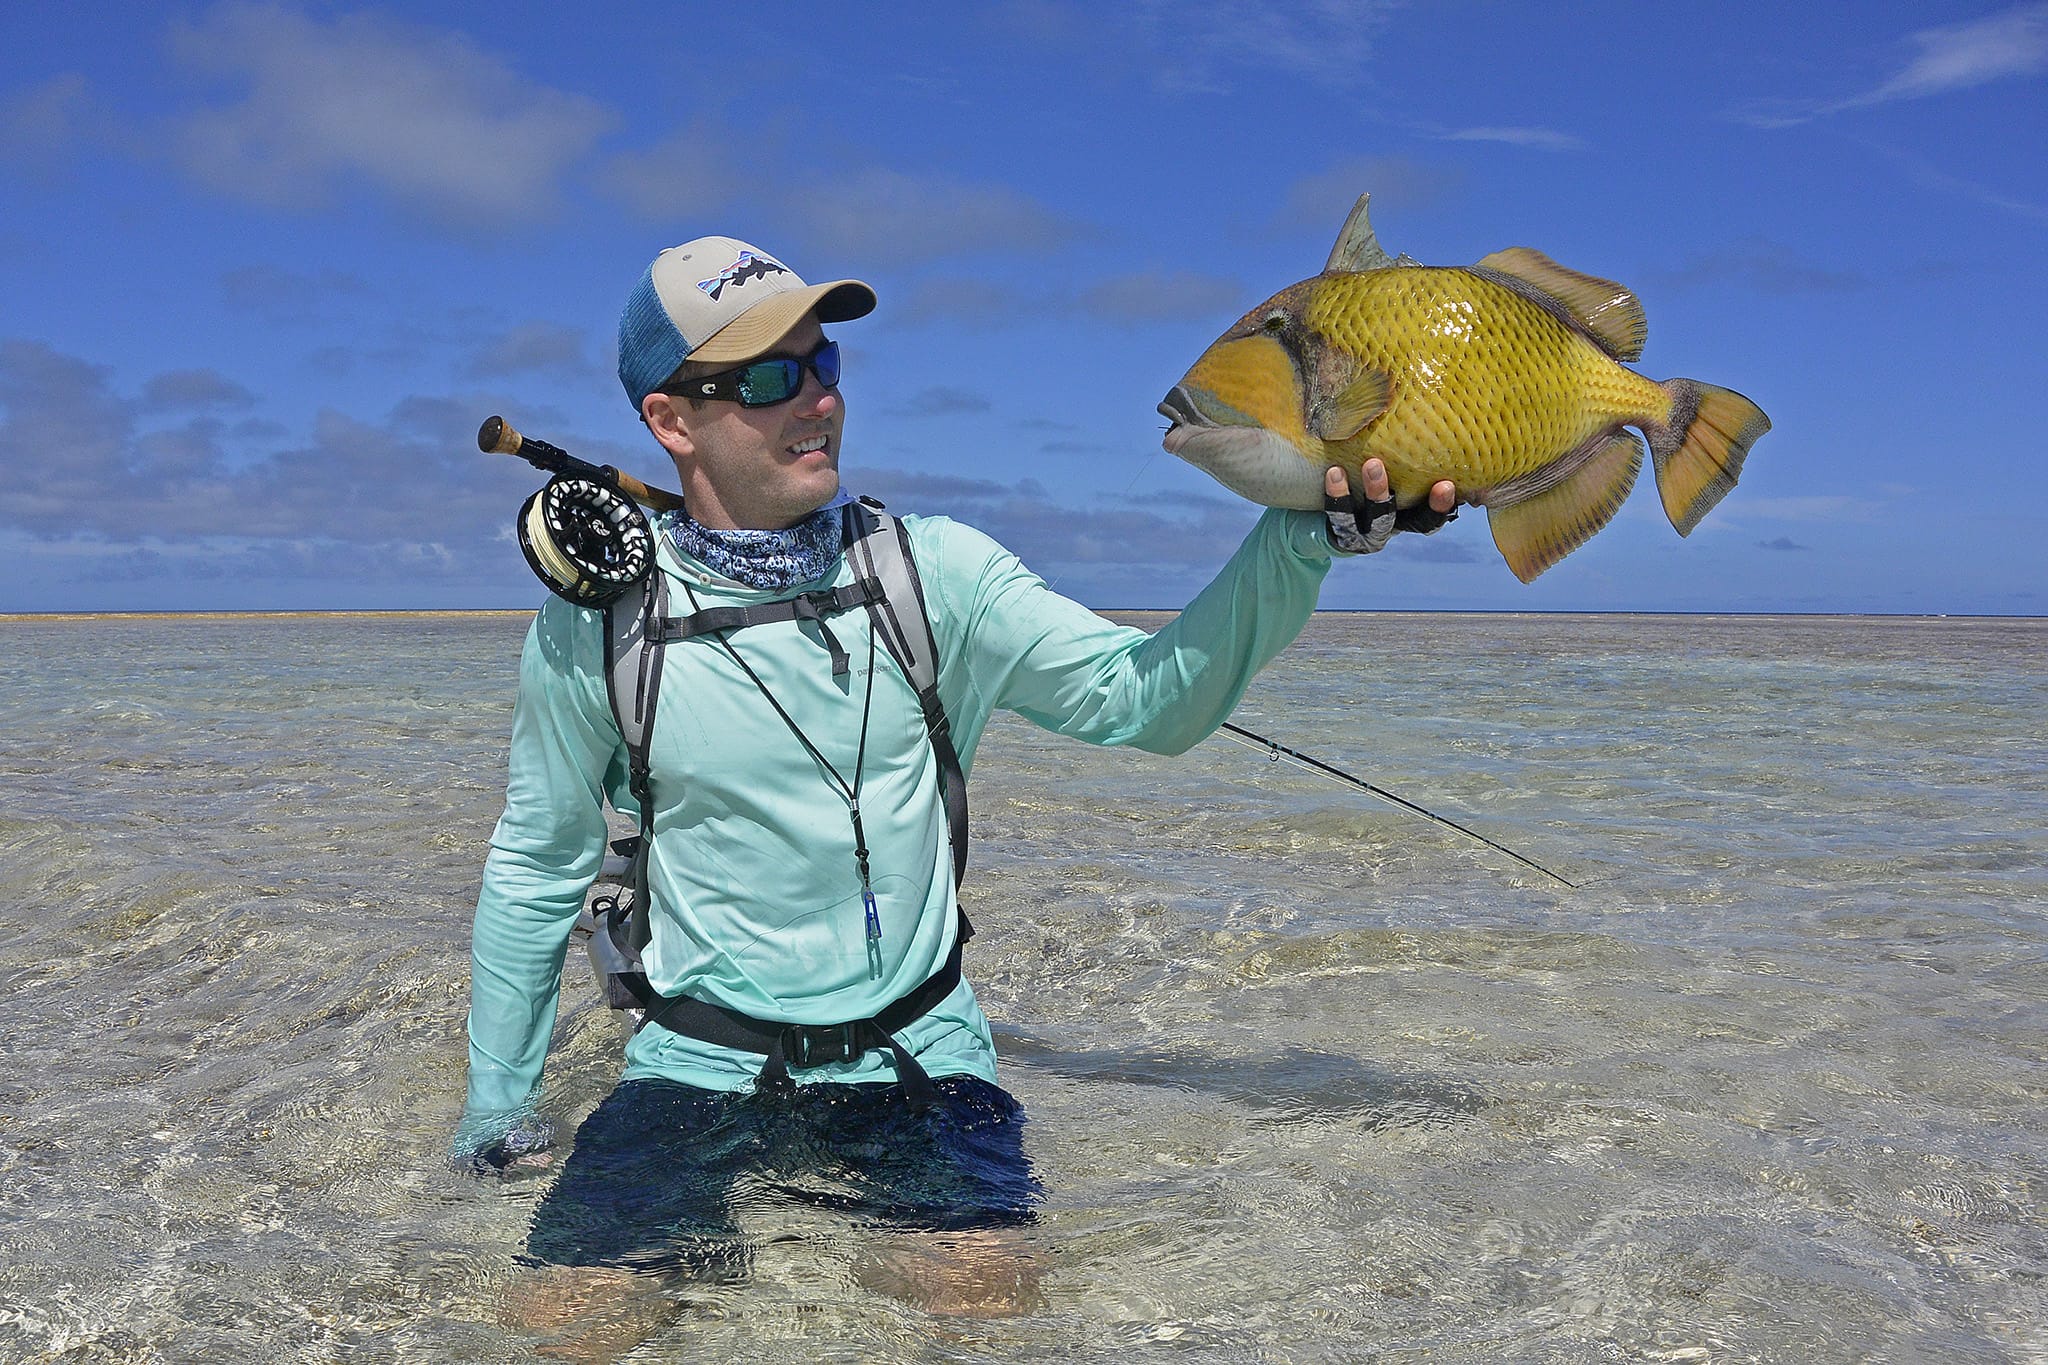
(1504, 377)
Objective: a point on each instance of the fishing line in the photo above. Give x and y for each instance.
(1124, 496)
(1239, 735)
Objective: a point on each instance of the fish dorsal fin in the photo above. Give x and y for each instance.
(1352, 408)
(1357, 248)
(1611, 313)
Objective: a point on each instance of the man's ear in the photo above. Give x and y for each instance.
(668, 419)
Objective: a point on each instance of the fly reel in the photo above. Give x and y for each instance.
(588, 542)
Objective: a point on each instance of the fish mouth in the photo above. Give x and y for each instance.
(1180, 408)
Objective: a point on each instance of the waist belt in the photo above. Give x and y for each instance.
(804, 1045)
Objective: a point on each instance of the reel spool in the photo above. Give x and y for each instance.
(586, 541)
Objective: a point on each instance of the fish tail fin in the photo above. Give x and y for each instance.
(1698, 452)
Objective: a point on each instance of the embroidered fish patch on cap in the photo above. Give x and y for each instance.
(749, 266)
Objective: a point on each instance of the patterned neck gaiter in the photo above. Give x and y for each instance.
(774, 561)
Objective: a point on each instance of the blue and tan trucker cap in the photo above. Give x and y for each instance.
(718, 299)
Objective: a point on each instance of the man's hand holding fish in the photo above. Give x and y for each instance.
(1362, 523)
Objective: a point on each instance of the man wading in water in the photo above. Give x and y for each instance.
(800, 870)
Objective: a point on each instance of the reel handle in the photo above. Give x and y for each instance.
(498, 437)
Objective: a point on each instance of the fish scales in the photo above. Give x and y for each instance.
(1488, 384)
(1505, 378)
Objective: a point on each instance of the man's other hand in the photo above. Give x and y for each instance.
(501, 1146)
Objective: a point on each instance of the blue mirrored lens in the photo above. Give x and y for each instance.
(769, 381)
(766, 382)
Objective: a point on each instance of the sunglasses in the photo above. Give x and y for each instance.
(764, 383)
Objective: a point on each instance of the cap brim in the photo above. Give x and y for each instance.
(769, 321)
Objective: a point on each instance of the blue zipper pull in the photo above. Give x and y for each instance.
(867, 897)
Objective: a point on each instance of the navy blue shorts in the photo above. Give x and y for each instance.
(660, 1169)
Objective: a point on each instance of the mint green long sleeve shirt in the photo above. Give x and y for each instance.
(757, 897)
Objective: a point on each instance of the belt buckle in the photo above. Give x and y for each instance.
(806, 1045)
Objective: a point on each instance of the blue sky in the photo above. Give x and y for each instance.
(267, 267)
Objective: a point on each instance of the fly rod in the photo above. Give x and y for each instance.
(497, 437)
(1240, 735)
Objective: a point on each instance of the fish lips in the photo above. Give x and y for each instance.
(1180, 408)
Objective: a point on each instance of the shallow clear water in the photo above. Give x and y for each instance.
(1310, 1079)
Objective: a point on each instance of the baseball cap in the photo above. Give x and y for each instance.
(719, 299)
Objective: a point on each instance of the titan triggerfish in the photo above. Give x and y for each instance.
(1504, 377)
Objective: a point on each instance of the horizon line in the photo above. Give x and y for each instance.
(300, 613)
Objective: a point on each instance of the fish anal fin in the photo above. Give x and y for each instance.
(1612, 314)
(1699, 454)
(1541, 517)
(1352, 408)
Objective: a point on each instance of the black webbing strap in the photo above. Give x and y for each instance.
(809, 606)
(805, 1045)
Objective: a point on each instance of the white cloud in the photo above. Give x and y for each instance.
(685, 176)
(875, 214)
(87, 464)
(1200, 44)
(2014, 43)
(1545, 139)
(1203, 46)
(420, 113)
(2010, 44)
(1927, 173)
(893, 218)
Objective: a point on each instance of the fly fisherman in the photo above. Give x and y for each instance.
(801, 866)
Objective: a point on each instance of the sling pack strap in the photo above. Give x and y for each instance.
(879, 548)
(632, 664)
(804, 1045)
(809, 606)
(632, 678)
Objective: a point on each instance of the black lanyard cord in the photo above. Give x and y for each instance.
(848, 792)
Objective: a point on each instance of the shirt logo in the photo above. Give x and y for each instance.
(747, 267)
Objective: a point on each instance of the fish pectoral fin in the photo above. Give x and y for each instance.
(1352, 408)
(1543, 516)
(1610, 313)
